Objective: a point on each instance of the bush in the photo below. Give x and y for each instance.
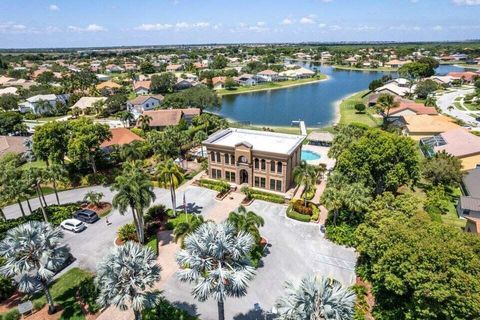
(292, 214)
(88, 294)
(298, 206)
(38, 305)
(127, 233)
(262, 195)
(217, 185)
(342, 233)
(7, 285)
(155, 213)
(93, 179)
(165, 310)
(12, 315)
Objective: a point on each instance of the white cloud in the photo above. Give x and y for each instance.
(11, 27)
(89, 28)
(322, 25)
(260, 23)
(467, 2)
(437, 28)
(181, 25)
(53, 7)
(310, 19)
(201, 24)
(286, 21)
(153, 27)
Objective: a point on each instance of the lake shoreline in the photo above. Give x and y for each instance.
(327, 77)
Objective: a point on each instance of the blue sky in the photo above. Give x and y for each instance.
(74, 23)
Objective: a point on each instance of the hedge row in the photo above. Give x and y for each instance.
(217, 185)
(262, 195)
(294, 214)
(297, 216)
(55, 213)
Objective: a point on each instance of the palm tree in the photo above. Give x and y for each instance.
(34, 177)
(246, 221)
(130, 152)
(32, 253)
(198, 138)
(385, 103)
(187, 227)
(169, 175)
(316, 298)
(125, 277)
(144, 122)
(134, 191)
(126, 117)
(305, 175)
(332, 199)
(430, 102)
(93, 197)
(98, 107)
(56, 173)
(215, 260)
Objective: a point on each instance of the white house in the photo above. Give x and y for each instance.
(142, 87)
(85, 103)
(297, 73)
(246, 79)
(8, 90)
(42, 103)
(144, 103)
(268, 75)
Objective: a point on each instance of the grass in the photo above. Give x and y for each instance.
(288, 130)
(451, 216)
(63, 291)
(152, 243)
(348, 114)
(269, 86)
(34, 164)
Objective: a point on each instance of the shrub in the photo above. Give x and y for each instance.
(127, 233)
(360, 107)
(217, 185)
(88, 294)
(298, 206)
(12, 315)
(262, 195)
(342, 233)
(165, 310)
(38, 305)
(155, 213)
(93, 179)
(57, 213)
(292, 214)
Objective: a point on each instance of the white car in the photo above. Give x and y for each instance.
(73, 225)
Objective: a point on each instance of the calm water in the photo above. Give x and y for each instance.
(308, 155)
(312, 103)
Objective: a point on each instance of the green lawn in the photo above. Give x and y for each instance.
(288, 130)
(451, 216)
(63, 291)
(348, 114)
(268, 86)
(34, 164)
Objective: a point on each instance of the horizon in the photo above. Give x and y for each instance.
(53, 24)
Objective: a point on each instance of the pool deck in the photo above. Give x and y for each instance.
(323, 152)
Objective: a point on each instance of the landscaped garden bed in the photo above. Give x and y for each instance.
(222, 187)
(251, 194)
(298, 211)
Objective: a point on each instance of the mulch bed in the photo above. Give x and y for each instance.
(246, 202)
(102, 209)
(11, 302)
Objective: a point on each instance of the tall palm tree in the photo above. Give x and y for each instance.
(385, 103)
(316, 298)
(169, 175)
(198, 138)
(144, 122)
(56, 173)
(125, 278)
(187, 227)
(130, 152)
(215, 261)
(246, 221)
(305, 175)
(332, 199)
(98, 107)
(32, 251)
(134, 191)
(34, 177)
(126, 117)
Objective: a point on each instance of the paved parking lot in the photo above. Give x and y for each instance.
(296, 249)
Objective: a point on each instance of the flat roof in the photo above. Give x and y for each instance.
(259, 140)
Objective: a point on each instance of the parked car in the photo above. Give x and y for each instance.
(87, 216)
(73, 225)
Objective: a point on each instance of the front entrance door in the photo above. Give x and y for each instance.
(243, 176)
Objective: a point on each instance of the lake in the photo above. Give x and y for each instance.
(313, 103)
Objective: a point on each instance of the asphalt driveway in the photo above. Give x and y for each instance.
(295, 250)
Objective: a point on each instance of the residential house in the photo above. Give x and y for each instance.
(264, 160)
(464, 76)
(142, 87)
(144, 103)
(174, 67)
(12, 144)
(408, 108)
(102, 77)
(246, 80)
(120, 137)
(424, 125)
(459, 143)
(267, 76)
(161, 119)
(395, 64)
(297, 73)
(472, 225)
(42, 103)
(397, 87)
(108, 87)
(351, 61)
(8, 90)
(189, 113)
(218, 82)
(87, 103)
(183, 84)
(442, 80)
(468, 205)
(113, 68)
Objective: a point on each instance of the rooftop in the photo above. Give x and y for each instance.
(142, 99)
(12, 145)
(459, 143)
(259, 140)
(471, 182)
(120, 137)
(429, 124)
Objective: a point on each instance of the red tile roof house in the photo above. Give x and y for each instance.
(466, 76)
(142, 87)
(218, 82)
(120, 137)
(170, 117)
(407, 108)
(174, 67)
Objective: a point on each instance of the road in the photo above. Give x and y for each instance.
(446, 100)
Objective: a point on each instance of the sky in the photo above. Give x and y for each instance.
(80, 23)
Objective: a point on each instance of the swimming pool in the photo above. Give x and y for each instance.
(308, 155)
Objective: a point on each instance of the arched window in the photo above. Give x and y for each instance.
(227, 158)
(264, 164)
(232, 159)
(219, 159)
(257, 163)
(272, 166)
(212, 156)
(279, 167)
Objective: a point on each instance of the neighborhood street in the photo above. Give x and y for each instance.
(446, 100)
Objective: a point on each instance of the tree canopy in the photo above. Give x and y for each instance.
(196, 97)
